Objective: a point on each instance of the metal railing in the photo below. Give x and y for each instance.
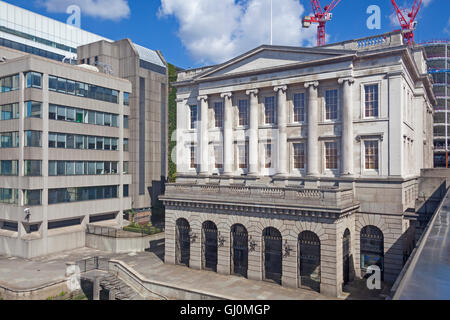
(93, 263)
(102, 231)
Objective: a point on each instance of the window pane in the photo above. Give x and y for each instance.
(331, 107)
(269, 108)
(371, 100)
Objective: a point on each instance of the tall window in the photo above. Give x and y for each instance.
(243, 156)
(33, 109)
(218, 114)
(33, 168)
(243, 112)
(331, 155)
(269, 110)
(268, 159)
(371, 155)
(299, 107)
(371, 100)
(331, 105)
(33, 139)
(299, 155)
(192, 153)
(218, 155)
(193, 110)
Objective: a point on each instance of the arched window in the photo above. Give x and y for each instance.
(182, 242)
(273, 261)
(239, 250)
(209, 246)
(372, 248)
(309, 264)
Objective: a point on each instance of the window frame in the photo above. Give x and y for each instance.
(338, 106)
(363, 156)
(363, 99)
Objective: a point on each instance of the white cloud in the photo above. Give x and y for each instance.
(103, 9)
(215, 31)
(406, 8)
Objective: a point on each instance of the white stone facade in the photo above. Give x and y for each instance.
(350, 130)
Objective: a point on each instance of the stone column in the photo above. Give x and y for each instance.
(282, 134)
(253, 136)
(228, 154)
(204, 137)
(313, 129)
(347, 127)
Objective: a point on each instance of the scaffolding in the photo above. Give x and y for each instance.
(438, 59)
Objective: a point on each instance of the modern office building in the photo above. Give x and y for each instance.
(148, 73)
(300, 165)
(438, 59)
(146, 69)
(64, 153)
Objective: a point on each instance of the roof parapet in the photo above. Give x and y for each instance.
(391, 39)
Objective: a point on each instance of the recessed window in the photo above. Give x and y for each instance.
(371, 155)
(9, 111)
(125, 167)
(9, 196)
(32, 197)
(269, 110)
(34, 80)
(192, 153)
(125, 122)
(33, 139)
(371, 100)
(218, 156)
(299, 107)
(331, 105)
(193, 114)
(268, 154)
(126, 98)
(33, 109)
(10, 83)
(125, 145)
(299, 155)
(9, 167)
(243, 155)
(33, 168)
(243, 113)
(9, 139)
(218, 114)
(331, 155)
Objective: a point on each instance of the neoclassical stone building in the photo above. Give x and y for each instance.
(299, 165)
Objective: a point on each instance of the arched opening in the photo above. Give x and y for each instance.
(239, 250)
(372, 249)
(182, 242)
(346, 256)
(273, 261)
(309, 264)
(209, 246)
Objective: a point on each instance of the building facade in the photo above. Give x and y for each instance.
(298, 165)
(438, 59)
(148, 103)
(63, 153)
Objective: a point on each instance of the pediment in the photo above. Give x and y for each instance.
(266, 58)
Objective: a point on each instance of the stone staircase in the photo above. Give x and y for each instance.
(123, 292)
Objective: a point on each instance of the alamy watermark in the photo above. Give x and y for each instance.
(374, 20)
(75, 16)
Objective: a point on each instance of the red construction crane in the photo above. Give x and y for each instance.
(408, 27)
(321, 17)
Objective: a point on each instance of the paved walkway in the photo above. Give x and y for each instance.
(17, 273)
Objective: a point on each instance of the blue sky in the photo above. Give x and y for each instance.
(192, 33)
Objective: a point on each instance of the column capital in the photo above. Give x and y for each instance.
(283, 88)
(349, 80)
(203, 97)
(226, 95)
(180, 100)
(253, 91)
(315, 84)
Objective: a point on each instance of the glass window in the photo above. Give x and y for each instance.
(371, 100)
(70, 168)
(107, 167)
(125, 190)
(243, 112)
(61, 141)
(107, 144)
(91, 168)
(193, 110)
(70, 114)
(192, 150)
(91, 143)
(100, 167)
(71, 87)
(9, 196)
(34, 80)
(91, 117)
(33, 168)
(99, 118)
(218, 114)
(32, 197)
(125, 145)
(114, 168)
(243, 156)
(99, 143)
(107, 119)
(61, 168)
(114, 143)
(52, 140)
(268, 150)
(371, 155)
(33, 139)
(62, 85)
(9, 167)
(33, 109)
(114, 96)
(331, 155)
(61, 113)
(79, 142)
(299, 107)
(218, 156)
(107, 95)
(9, 111)
(52, 83)
(52, 112)
(269, 110)
(299, 155)
(115, 121)
(125, 122)
(52, 168)
(70, 143)
(331, 105)
(125, 167)
(10, 83)
(79, 168)
(79, 116)
(126, 98)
